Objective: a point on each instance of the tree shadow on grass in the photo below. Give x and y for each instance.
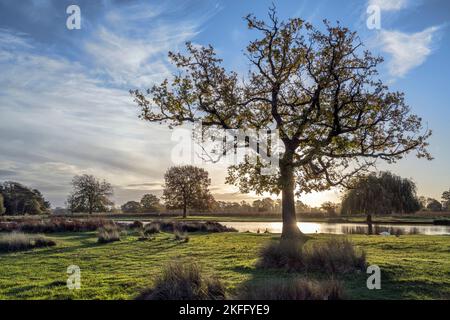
(394, 289)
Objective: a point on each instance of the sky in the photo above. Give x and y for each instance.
(65, 108)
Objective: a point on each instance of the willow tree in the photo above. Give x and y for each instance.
(382, 193)
(318, 88)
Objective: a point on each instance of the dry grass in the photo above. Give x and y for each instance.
(152, 228)
(181, 236)
(54, 224)
(282, 255)
(136, 225)
(180, 281)
(20, 241)
(332, 256)
(335, 256)
(191, 226)
(108, 234)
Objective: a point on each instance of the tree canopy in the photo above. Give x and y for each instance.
(2, 206)
(382, 193)
(131, 207)
(446, 199)
(89, 194)
(19, 199)
(329, 207)
(150, 203)
(317, 87)
(433, 205)
(186, 187)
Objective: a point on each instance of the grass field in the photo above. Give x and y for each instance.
(412, 267)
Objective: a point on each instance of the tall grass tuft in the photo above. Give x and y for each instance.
(136, 225)
(16, 241)
(286, 254)
(180, 281)
(109, 233)
(152, 228)
(337, 255)
(191, 226)
(291, 289)
(54, 224)
(181, 236)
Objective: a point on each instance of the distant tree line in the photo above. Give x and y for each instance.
(431, 204)
(187, 188)
(148, 203)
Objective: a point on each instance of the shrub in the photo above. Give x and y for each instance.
(108, 234)
(21, 241)
(54, 224)
(180, 281)
(284, 254)
(152, 228)
(337, 255)
(441, 222)
(136, 225)
(144, 237)
(41, 241)
(291, 289)
(192, 226)
(181, 236)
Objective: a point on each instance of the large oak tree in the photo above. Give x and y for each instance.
(318, 88)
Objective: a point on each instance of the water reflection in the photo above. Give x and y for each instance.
(341, 228)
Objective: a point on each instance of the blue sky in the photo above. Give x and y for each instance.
(65, 107)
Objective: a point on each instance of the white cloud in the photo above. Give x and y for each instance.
(389, 5)
(137, 62)
(407, 51)
(131, 45)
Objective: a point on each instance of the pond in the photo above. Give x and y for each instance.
(341, 228)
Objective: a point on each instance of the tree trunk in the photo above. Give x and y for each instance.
(369, 224)
(184, 210)
(290, 228)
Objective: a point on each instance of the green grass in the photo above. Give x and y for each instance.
(412, 267)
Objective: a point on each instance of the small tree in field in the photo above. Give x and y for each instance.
(317, 88)
(150, 203)
(434, 205)
(2, 206)
(446, 200)
(131, 207)
(89, 194)
(329, 207)
(186, 187)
